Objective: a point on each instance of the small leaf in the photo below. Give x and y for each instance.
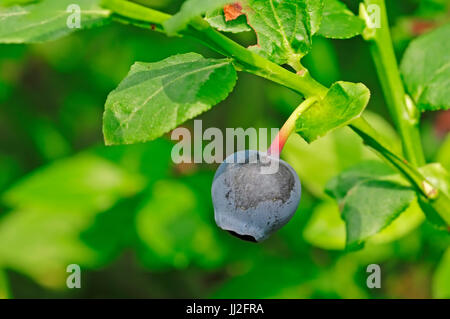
(426, 70)
(327, 230)
(341, 185)
(344, 102)
(217, 20)
(283, 28)
(372, 205)
(371, 197)
(47, 20)
(190, 10)
(338, 22)
(155, 98)
(409, 220)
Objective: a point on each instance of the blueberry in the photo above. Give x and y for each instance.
(248, 202)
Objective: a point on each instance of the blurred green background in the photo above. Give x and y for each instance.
(141, 227)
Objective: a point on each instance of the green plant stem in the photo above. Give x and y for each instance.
(302, 83)
(136, 11)
(246, 60)
(438, 200)
(289, 127)
(405, 119)
(253, 63)
(372, 139)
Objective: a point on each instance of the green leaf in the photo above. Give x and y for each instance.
(326, 229)
(190, 10)
(344, 102)
(339, 186)
(155, 98)
(441, 278)
(283, 28)
(47, 20)
(82, 183)
(372, 205)
(54, 234)
(370, 197)
(426, 70)
(315, 10)
(52, 207)
(409, 220)
(339, 22)
(217, 20)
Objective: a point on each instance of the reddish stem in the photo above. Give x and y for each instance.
(288, 128)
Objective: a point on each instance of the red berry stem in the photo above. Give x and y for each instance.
(289, 127)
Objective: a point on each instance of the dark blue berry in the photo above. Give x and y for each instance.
(251, 203)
